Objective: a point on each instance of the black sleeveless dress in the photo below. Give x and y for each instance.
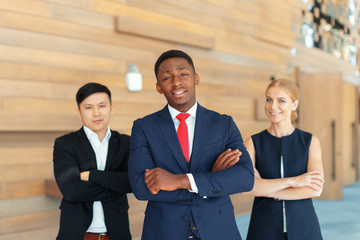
(267, 220)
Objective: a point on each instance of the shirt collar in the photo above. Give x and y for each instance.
(90, 134)
(191, 111)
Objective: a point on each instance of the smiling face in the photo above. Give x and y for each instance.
(176, 79)
(95, 112)
(279, 106)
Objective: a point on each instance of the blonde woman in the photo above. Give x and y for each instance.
(288, 170)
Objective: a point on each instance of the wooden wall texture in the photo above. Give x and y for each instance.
(49, 48)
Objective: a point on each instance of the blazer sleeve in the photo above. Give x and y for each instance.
(117, 181)
(67, 176)
(140, 159)
(239, 178)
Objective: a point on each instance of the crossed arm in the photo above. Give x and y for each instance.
(159, 179)
(307, 185)
(77, 186)
(228, 175)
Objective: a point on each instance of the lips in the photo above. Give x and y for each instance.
(97, 121)
(178, 93)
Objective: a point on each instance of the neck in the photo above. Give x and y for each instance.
(101, 135)
(281, 129)
(184, 108)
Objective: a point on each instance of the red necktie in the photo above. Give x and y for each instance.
(182, 133)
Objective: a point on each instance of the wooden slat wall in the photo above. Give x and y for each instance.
(49, 48)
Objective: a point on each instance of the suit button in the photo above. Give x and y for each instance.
(185, 218)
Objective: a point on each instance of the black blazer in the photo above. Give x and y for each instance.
(72, 155)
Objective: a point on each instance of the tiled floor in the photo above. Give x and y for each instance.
(339, 220)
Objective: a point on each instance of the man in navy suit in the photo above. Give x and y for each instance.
(187, 173)
(90, 167)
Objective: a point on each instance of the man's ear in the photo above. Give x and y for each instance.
(197, 79)
(158, 88)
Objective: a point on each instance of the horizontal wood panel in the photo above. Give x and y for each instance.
(31, 221)
(140, 27)
(82, 16)
(39, 8)
(69, 29)
(40, 73)
(26, 171)
(37, 234)
(74, 46)
(59, 59)
(27, 206)
(30, 154)
(23, 189)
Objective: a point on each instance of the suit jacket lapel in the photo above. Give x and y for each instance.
(90, 157)
(202, 125)
(112, 148)
(166, 125)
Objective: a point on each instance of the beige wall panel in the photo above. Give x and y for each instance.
(26, 206)
(29, 154)
(69, 29)
(79, 47)
(238, 107)
(348, 144)
(81, 16)
(162, 32)
(33, 74)
(181, 9)
(58, 59)
(37, 234)
(31, 221)
(28, 139)
(39, 8)
(23, 189)
(86, 4)
(123, 10)
(26, 171)
(318, 120)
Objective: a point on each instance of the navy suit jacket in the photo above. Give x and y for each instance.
(154, 143)
(73, 154)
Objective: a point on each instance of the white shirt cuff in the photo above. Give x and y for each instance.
(194, 188)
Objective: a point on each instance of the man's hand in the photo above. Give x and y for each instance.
(84, 176)
(159, 179)
(226, 159)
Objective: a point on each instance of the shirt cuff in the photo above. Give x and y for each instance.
(194, 188)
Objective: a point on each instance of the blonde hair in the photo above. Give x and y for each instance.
(291, 89)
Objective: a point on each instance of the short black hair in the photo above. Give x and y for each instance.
(172, 54)
(89, 89)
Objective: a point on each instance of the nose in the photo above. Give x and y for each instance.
(96, 112)
(273, 105)
(176, 80)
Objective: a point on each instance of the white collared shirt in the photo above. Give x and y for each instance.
(190, 122)
(101, 150)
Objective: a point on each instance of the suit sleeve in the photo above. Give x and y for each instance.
(239, 178)
(140, 159)
(67, 176)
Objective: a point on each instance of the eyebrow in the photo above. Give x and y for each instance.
(276, 98)
(91, 104)
(178, 68)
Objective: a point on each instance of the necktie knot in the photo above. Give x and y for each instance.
(182, 116)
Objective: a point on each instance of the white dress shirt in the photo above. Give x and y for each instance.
(101, 150)
(190, 122)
